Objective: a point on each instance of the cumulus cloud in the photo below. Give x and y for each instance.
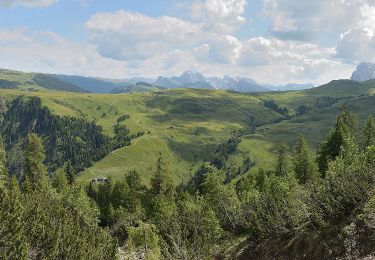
(170, 45)
(125, 35)
(357, 44)
(219, 15)
(27, 3)
(49, 52)
(125, 43)
(306, 20)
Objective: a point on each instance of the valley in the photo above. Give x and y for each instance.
(186, 125)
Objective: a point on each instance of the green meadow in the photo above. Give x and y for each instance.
(186, 125)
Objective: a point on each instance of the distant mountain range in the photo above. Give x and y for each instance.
(364, 71)
(75, 83)
(241, 84)
(187, 79)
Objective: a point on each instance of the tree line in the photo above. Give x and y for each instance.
(66, 139)
(304, 196)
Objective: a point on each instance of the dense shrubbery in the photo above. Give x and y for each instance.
(43, 221)
(190, 221)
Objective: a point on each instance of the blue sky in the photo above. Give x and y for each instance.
(271, 41)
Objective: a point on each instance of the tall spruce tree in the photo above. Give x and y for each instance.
(282, 163)
(13, 243)
(69, 172)
(161, 182)
(337, 139)
(303, 162)
(34, 170)
(368, 133)
(3, 171)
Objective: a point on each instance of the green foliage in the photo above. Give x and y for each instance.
(223, 198)
(65, 138)
(59, 181)
(222, 152)
(274, 211)
(272, 105)
(368, 133)
(122, 137)
(191, 232)
(282, 161)
(35, 178)
(69, 172)
(71, 232)
(146, 238)
(161, 182)
(13, 244)
(337, 139)
(3, 170)
(305, 168)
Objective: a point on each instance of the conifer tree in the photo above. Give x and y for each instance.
(304, 165)
(281, 168)
(161, 183)
(136, 188)
(59, 181)
(3, 171)
(12, 237)
(368, 133)
(35, 172)
(337, 138)
(69, 172)
(261, 179)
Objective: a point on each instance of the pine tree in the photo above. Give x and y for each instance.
(161, 183)
(368, 133)
(136, 189)
(337, 138)
(281, 168)
(261, 179)
(3, 171)
(69, 172)
(12, 237)
(222, 198)
(304, 165)
(35, 172)
(59, 181)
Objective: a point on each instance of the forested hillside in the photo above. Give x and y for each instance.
(188, 174)
(306, 206)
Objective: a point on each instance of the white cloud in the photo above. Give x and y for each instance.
(27, 3)
(225, 49)
(125, 36)
(125, 43)
(357, 44)
(308, 19)
(219, 15)
(51, 53)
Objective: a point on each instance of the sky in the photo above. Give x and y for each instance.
(270, 41)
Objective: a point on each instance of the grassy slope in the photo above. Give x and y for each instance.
(35, 81)
(186, 124)
(313, 126)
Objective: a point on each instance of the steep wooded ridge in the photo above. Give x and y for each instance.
(66, 139)
(209, 174)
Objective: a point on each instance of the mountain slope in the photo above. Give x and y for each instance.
(186, 125)
(138, 87)
(88, 83)
(34, 81)
(342, 88)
